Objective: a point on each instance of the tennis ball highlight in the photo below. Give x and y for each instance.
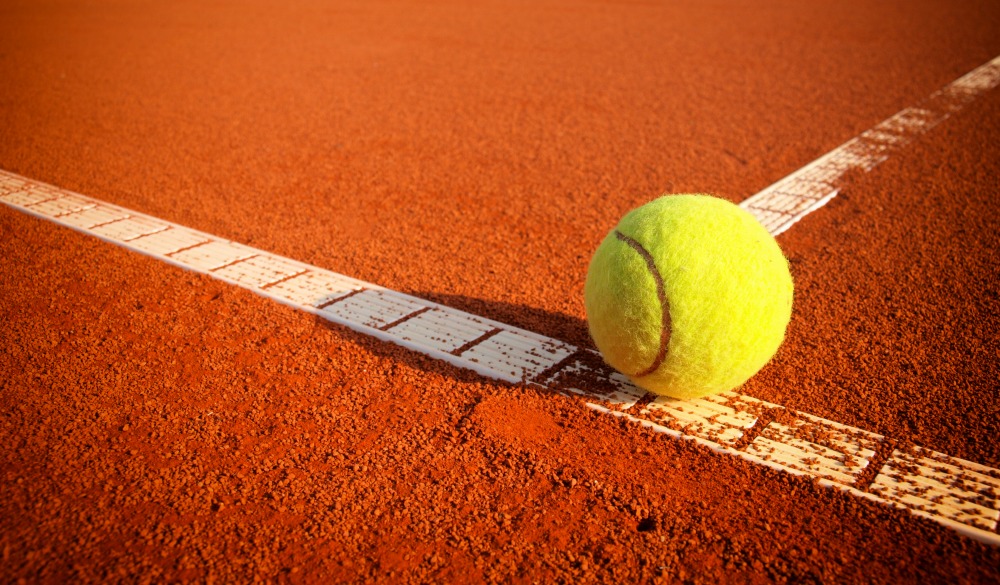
(688, 296)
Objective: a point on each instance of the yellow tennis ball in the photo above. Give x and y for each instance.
(688, 296)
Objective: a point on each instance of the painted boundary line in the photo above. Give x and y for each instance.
(956, 493)
(782, 204)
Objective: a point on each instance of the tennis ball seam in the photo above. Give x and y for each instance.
(661, 296)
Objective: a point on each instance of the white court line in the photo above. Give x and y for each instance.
(956, 493)
(782, 204)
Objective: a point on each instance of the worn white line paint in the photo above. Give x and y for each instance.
(782, 204)
(514, 355)
(962, 495)
(967, 529)
(934, 482)
(833, 453)
(721, 419)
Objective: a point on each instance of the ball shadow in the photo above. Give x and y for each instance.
(565, 328)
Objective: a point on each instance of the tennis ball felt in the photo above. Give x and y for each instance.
(688, 296)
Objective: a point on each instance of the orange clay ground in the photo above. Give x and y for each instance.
(159, 425)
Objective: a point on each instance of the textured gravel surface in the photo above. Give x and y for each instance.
(160, 425)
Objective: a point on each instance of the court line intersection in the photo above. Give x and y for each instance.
(959, 494)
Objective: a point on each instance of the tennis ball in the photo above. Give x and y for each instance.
(688, 296)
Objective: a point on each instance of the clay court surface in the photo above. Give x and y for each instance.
(161, 425)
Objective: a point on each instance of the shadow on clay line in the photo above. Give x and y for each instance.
(566, 328)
